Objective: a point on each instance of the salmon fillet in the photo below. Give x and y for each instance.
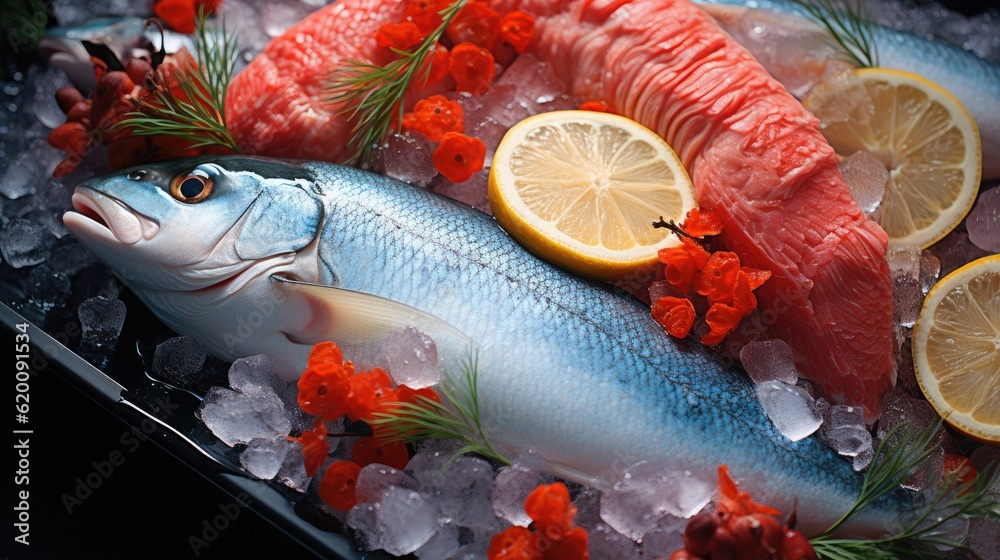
(755, 155)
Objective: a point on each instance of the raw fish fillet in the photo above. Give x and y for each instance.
(754, 154)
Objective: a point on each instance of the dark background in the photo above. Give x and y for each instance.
(150, 505)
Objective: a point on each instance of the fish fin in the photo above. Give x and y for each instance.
(283, 218)
(350, 317)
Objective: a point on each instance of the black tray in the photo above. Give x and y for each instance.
(142, 495)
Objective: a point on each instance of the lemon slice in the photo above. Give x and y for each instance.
(956, 349)
(923, 135)
(581, 189)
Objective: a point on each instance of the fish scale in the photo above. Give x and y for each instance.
(567, 356)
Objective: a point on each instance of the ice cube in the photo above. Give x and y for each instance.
(293, 469)
(400, 523)
(510, 488)
(28, 169)
(407, 157)
(375, 481)
(661, 541)
(903, 415)
(47, 289)
(866, 176)
(647, 491)
(412, 358)
(461, 489)
(790, 408)
(983, 222)
(536, 87)
(863, 459)
(472, 192)
(25, 243)
(930, 271)
(263, 458)
(605, 542)
(844, 430)
(443, 544)
(70, 259)
(179, 360)
(101, 319)
(238, 418)
(254, 375)
(491, 133)
(769, 360)
(45, 108)
(904, 262)
(907, 298)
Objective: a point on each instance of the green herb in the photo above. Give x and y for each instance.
(926, 526)
(456, 417)
(374, 94)
(850, 26)
(199, 118)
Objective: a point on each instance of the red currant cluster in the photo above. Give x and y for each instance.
(740, 529)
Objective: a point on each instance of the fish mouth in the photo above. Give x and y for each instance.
(108, 218)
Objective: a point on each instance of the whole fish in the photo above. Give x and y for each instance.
(797, 52)
(231, 250)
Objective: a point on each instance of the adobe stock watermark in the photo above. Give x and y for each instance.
(101, 470)
(211, 529)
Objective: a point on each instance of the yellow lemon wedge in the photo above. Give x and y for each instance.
(921, 133)
(581, 190)
(956, 349)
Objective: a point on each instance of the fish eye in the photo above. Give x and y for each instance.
(136, 175)
(191, 187)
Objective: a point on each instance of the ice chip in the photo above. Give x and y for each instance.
(238, 418)
(510, 488)
(293, 469)
(907, 298)
(443, 544)
(665, 538)
(400, 523)
(263, 458)
(179, 360)
(863, 459)
(472, 192)
(904, 262)
(461, 489)
(983, 222)
(25, 243)
(844, 430)
(101, 319)
(866, 176)
(790, 408)
(769, 360)
(647, 491)
(930, 271)
(47, 289)
(375, 481)
(71, 259)
(902, 415)
(407, 157)
(254, 375)
(605, 542)
(412, 358)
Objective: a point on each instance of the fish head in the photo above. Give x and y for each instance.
(197, 224)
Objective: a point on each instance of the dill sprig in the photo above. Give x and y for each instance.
(374, 94)
(199, 117)
(456, 417)
(926, 527)
(849, 24)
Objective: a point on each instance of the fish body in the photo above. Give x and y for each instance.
(797, 52)
(566, 368)
(754, 154)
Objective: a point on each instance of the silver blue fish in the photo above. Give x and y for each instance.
(263, 256)
(795, 51)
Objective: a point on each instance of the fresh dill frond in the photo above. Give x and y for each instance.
(927, 526)
(374, 94)
(457, 416)
(200, 116)
(850, 26)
